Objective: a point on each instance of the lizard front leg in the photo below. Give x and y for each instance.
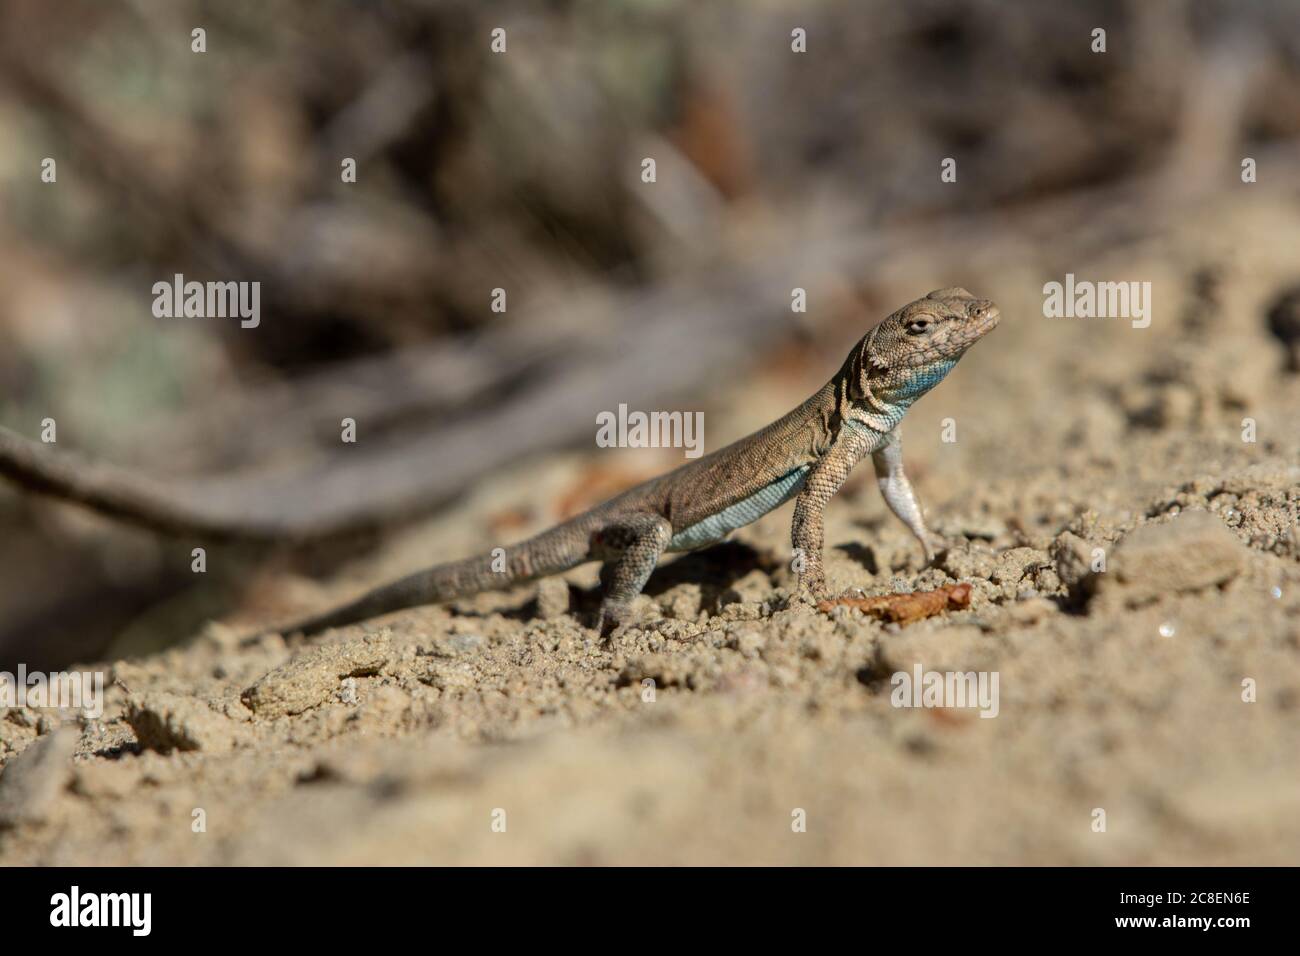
(898, 493)
(824, 480)
(630, 547)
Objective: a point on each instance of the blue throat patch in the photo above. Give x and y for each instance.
(921, 380)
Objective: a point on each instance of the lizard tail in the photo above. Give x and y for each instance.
(550, 552)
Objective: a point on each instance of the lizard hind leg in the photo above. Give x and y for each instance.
(630, 548)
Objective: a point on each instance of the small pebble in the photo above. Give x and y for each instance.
(1167, 629)
(348, 690)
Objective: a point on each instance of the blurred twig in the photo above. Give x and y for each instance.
(664, 344)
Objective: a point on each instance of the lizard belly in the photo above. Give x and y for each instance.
(716, 527)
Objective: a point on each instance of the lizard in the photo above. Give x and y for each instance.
(806, 455)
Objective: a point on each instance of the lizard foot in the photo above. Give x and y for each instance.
(804, 596)
(811, 587)
(613, 615)
(935, 547)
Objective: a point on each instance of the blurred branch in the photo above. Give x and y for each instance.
(386, 392)
(664, 345)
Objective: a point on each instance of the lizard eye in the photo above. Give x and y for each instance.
(917, 326)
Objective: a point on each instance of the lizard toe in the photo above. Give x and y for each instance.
(613, 615)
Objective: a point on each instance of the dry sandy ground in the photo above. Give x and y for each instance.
(502, 731)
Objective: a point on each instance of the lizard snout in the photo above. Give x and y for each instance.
(984, 314)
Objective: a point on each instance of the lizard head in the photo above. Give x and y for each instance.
(912, 350)
(941, 326)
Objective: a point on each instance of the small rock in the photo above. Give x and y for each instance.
(1072, 557)
(165, 722)
(1046, 580)
(32, 782)
(682, 603)
(1191, 552)
(967, 563)
(348, 690)
(1013, 563)
(312, 678)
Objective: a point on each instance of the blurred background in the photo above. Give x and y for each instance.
(521, 171)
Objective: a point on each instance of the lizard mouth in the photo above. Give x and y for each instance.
(976, 329)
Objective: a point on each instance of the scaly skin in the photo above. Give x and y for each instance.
(806, 455)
